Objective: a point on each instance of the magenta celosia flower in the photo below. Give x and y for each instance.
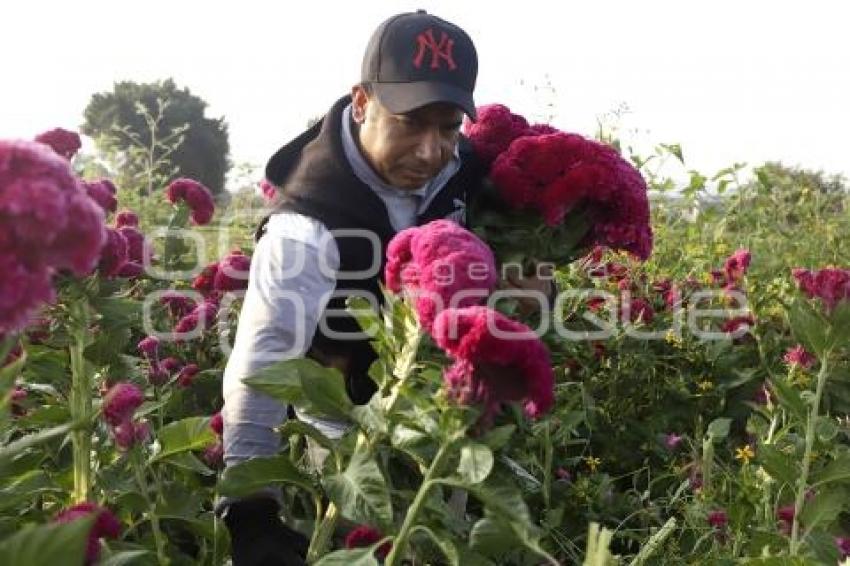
(131, 270)
(494, 130)
(231, 273)
(201, 317)
(113, 255)
(497, 360)
(157, 376)
(106, 525)
(363, 536)
(268, 190)
(149, 348)
(64, 142)
(440, 265)
(178, 304)
(736, 265)
(197, 197)
(126, 218)
(843, 544)
(672, 440)
(214, 455)
(734, 324)
(204, 283)
(120, 402)
(217, 423)
(48, 224)
(785, 515)
(171, 364)
(187, 375)
(639, 309)
(762, 394)
(103, 193)
(831, 285)
(799, 356)
(718, 519)
(563, 474)
(130, 433)
(138, 249)
(557, 173)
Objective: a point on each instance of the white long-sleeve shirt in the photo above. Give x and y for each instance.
(290, 282)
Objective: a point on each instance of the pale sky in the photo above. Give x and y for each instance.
(728, 80)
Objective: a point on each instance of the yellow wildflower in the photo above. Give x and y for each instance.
(744, 454)
(592, 463)
(705, 385)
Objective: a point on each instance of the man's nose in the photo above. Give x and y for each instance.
(429, 149)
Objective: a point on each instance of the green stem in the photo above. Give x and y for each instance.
(81, 404)
(159, 540)
(322, 534)
(400, 542)
(807, 457)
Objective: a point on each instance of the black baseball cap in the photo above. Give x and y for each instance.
(414, 59)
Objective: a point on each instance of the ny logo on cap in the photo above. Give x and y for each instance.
(439, 50)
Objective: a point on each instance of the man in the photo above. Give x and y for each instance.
(388, 157)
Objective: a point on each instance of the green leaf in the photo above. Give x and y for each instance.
(826, 429)
(476, 462)
(360, 492)
(354, 557)
(718, 429)
(443, 541)
(370, 417)
(810, 327)
(837, 470)
(63, 543)
(291, 427)
(255, 474)
(280, 380)
(675, 149)
(192, 433)
(24, 488)
(778, 464)
(188, 461)
(789, 398)
(492, 537)
(11, 450)
(497, 437)
(124, 558)
(824, 508)
(324, 389)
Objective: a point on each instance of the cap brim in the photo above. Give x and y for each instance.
(401, 98)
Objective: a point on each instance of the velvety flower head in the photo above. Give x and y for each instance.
(718, 519)
(120, 402)
(232, 272)
(197, 197)
(187, 375)
(736, 265)
(201, 317)
(736, 323)
(64, 142)
(131, 270)
(217, 423)
(157, 375)
(639, 309)
(831, 285)
(103, 193)
(441, 265)
(497, 360)
(204, 283)
(363, 536)
(106, 525)
(178, 303)
(494, 130)
(557, 173)
(799, 356)
(672, 440)
(268, 190)
(149, 348)
(48, 224)
(762, 394)
(171, 364)
(138, 248)
(130, 433)
(126, 218)
(113, 255)
(214, 455)
(843, 544)
(785, 514)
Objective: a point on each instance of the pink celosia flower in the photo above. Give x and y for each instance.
(831, 285)
(217, 423)
(494, 130)
(736, 265)
(843, 544)
(187, 375)
(214, 455)
(131, 270)
(440, 265)
(120, 402)
(201, 317)
(105, 526)
(196, 196)
(113, 255)
(639, 309)
(126, 218)
(563, 474)
(103, 193)
(130, 433)
(138, 249)
(64, 142)
(785, 515)
(149, 348)
(204, 283)
(497, 360)
(157, 376)
(762, 395)
(178, 304)
(672, 440)
(718, 519)
(799, 356)
(171, 364)
(268, 190)
(232, 272)
(734, 324)
(363, 536)
(48, 224)
(557, 173)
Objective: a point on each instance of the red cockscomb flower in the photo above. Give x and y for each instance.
(231, 273)
(198, 198)
(103, 193)
(363, 536)
(799, 356)
(736, 265)
(494, 130)
(126, 218)
(106, 525)
(120, 402)
(64, 142)
(113, 255)
(831, 285)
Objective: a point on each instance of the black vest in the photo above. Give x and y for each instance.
(316, 180)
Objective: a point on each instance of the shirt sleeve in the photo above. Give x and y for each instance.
(291, 280)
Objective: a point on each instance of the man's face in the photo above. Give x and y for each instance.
(406, 150)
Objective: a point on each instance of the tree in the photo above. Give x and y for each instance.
(195, 146)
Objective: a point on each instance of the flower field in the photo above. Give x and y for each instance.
(682, 399)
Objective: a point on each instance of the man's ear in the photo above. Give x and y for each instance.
(359, 100)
